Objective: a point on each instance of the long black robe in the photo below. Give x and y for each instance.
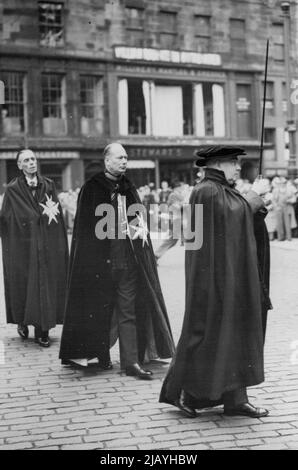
(221, 344)
(263, 252)
(90, 301)
(35, 255)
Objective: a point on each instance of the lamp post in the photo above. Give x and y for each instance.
(291, 121)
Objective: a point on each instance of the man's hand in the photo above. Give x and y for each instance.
(260, 186)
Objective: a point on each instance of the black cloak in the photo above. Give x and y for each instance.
(221, 344)
(89, 305)
(35, 254)
(263, 252)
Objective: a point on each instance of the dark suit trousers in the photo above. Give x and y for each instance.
(235, 398)
(125, 281)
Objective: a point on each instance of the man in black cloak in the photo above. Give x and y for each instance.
(220, 351)
(113, 277)
(35, 251)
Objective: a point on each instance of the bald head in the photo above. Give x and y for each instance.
(115, 158)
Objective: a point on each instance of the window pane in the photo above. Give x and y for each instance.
(136, 108)
(237, 29)
(53, 101)
(244, 117)
(51, 24)
(135, 38)
(279, 52)
(134, 17)
(208, 108)
(269, 98)
(203, 44)
(168, 21)
(14, 108)
(284, 98)
(91, 97)
(187, 110)
(168, 40)
(278, 33)
(202, 25)
(269, 136)
(168, 110)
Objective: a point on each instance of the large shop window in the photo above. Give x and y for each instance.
(91, 99)
(159, 109)
(244, 111)
(54, 104)
(14, 110)
(51, 23)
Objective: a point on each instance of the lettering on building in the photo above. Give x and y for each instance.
(164, 55)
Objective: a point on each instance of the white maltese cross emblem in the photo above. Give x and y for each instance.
(50, 208)
(141, 230)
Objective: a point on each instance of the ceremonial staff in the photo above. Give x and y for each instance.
(263, 115)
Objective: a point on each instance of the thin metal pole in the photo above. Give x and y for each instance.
(263, 114)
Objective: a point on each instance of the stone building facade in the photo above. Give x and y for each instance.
(160, 76)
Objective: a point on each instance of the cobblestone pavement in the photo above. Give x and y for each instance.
(44, 405)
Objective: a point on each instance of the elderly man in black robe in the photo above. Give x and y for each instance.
(35, 251)
(220, 351)
(113, 277)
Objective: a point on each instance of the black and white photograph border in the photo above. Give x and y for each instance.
(45, 405)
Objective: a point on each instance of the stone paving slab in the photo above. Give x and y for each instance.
(44, 405)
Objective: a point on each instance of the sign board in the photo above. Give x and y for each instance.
(154, 152)
(242, 104)
(46, 155)
(166, 55)
(138, 164)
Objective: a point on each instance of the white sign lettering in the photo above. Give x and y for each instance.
(165, 55)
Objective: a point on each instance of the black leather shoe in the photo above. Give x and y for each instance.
(136, 371)
(187, 410)
(246, 409)
(23, 331)
(105, 365)
(43, 342)
(42, 338)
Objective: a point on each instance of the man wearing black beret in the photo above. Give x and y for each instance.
(220, 351)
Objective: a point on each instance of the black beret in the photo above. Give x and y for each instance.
(206, 153)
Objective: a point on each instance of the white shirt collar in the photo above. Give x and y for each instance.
(32, 181)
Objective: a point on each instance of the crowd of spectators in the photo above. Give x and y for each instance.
(281, 201)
